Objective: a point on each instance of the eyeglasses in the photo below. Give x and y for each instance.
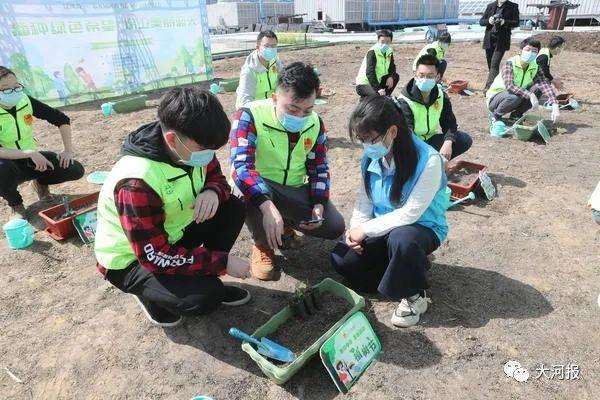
(17, 89)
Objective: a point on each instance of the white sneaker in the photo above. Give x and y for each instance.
(409, 310)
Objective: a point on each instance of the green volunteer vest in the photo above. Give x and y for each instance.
(523, 79)
(17, 133)
(426, 119)
(275, 160)
(266, 82)
(439, 52)
(381, 67)
(178, 191)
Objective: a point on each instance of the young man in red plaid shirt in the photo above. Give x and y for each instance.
(520, 86)
(166, 218)
(279, 158)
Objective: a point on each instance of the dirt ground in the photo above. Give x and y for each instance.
(517, 279)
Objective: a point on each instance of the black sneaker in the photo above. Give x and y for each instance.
(235, 296)
(159, 316)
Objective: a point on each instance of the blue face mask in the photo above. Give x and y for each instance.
(384, 47)
(10, 100)
(198, 159)
(425, 84)
(528, 56)
(375, 151)
(291, 123)
(269, 53)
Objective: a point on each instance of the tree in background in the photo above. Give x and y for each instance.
(20, 65)
(43, 84)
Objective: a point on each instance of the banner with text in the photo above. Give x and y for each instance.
(67, 52)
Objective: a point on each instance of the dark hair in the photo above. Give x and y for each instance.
(266, 33)
(4, 71)
(429, 59)
(531, 42)
(301, 78)
(556, 41)
(385, 33)
(445, 37)
(195, 114)
(378, 114)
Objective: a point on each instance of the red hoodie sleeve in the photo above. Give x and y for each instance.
(142, 217)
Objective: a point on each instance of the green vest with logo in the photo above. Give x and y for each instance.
(177, 189)
(17, 133)
(521, 78)
(276, 160)
(266, 82)
(426, 119)
(439, 52)
(382, 66)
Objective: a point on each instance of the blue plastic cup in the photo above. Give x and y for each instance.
(215, 88)
(19, 233)
(498, 129)
(107, 109)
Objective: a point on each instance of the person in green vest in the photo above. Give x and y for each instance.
(555, 47)
(20, 159)
(519, 86)
(279, 164)
(166, 217)
(377, 73)
(260, 71)
(428, 111)
(437, 49)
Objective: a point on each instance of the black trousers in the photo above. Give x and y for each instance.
(462, 143)
(394, 264)
(15, 172)
(367, 90)
(494, 58)
(185, 294)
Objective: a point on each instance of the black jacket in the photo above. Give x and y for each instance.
(447, 118)
(543, 63)
(371, 76)
(498, 36)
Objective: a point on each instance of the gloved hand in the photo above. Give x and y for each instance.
(534, 101)
(555, 112)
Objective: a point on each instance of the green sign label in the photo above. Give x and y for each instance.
(349, 351)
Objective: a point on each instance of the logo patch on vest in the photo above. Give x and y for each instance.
(308, 144)
(436, 105)
(168, 188)
(28, 119)
(274, 68)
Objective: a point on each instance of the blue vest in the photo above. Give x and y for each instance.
(434, 217)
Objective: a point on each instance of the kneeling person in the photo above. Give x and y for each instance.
(520, 85)
(437, 49)
(279, 158)
(166, 219)
(428, 110)
(400, 214)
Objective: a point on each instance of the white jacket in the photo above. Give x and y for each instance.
(246, 89)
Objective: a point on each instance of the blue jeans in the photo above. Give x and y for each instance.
(462, 143)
